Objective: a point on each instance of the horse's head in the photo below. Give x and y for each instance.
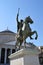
(28, 20)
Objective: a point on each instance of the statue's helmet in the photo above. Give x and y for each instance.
(29, 20)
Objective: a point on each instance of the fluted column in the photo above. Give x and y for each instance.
(11, 51)
(5, 56)
(0, 55)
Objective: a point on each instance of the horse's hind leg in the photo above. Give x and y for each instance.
(16, 45)
(20, 45)
(25, 43)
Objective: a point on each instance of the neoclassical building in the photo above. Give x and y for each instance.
(7, 45)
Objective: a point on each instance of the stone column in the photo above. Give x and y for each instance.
(5, 56)
(0, 55)
(10, 51)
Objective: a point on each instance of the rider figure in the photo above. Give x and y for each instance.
(19, 24)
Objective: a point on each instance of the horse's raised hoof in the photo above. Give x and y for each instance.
(35, 38)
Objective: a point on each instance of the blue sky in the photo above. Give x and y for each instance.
(32, 8)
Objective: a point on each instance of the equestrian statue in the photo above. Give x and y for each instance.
(24, 31)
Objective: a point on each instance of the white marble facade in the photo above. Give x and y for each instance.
(5, 51)
(7, 45)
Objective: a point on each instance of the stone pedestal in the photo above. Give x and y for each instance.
(24, 57)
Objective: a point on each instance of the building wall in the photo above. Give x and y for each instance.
(6, 38)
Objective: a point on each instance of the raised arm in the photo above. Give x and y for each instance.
(17, 20)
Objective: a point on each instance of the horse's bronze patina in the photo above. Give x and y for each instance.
(25, 31)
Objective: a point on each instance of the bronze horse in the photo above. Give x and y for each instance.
(26, 32)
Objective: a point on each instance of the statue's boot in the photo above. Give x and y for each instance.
(35, 38)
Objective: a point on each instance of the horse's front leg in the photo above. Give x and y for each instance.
(34, 32)
(31, 37)
(36, 35)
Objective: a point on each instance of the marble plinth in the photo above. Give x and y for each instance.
(25, 57)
